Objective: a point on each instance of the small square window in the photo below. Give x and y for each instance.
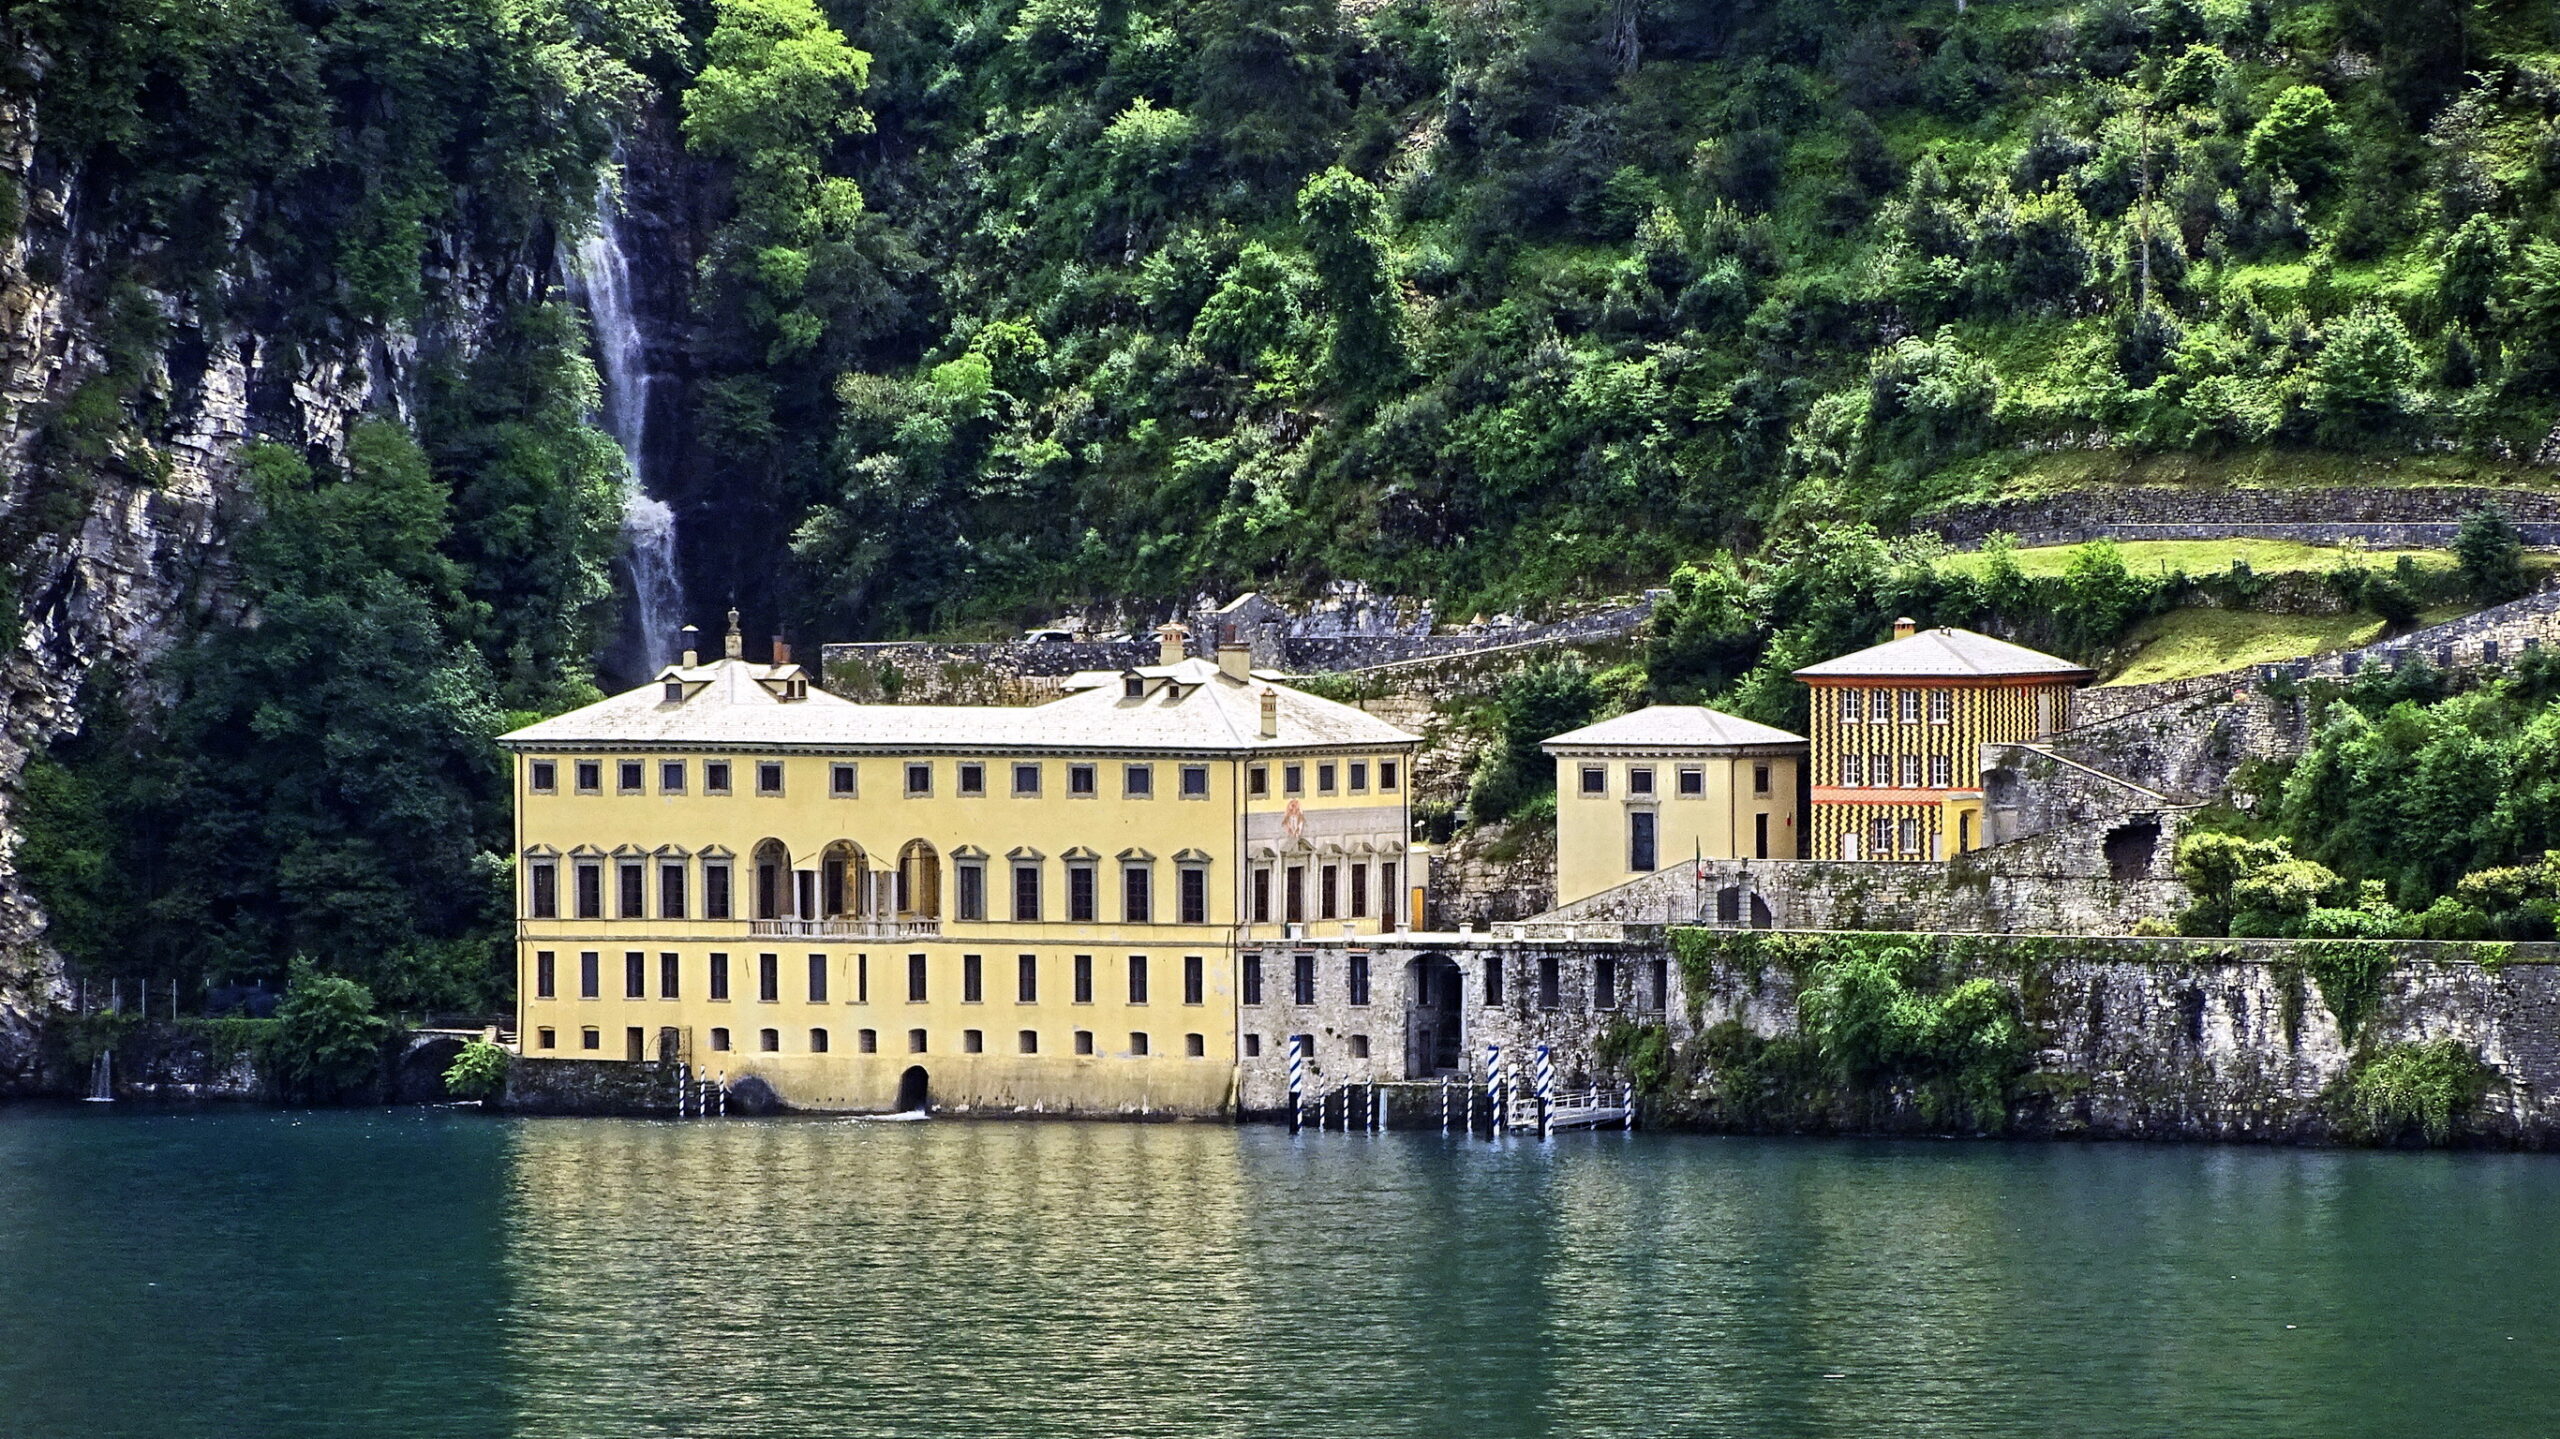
(1257, 781)
(1084, 1041)
(1027, 1042)
(1359, 1046)
(1759, 779)
(1138, 781)
(919, 780)
(1195, 1046)
(1386, 774)
(671, 776)
(769, 1040)
(626, 776)
(867, 1041)
(973, 779)
(1640, 780)
(915, 1041)
(715, 776)
(591, 1039)
(1693, 781)
(590, 777)
(817, 1041)
(546, 1039)
(720, 1039)
(1293, 779)
(1026, 784)
(1195, 781)
(1137, 1043)
(1253, 1046)
(1325, 775)
(841, 780)
(543, 776)
(973, 1041)
(769, 776)
(1595, 779)
(1080, 781)
(1359, 776)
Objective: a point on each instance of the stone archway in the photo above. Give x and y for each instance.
(915, 1093)
(1434, 1017)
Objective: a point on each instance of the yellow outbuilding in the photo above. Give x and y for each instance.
(1666, 784)
(1036, 908)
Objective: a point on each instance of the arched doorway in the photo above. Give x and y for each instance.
(1434, 1033)
(913, 1094)
(919, 882)
(844, 873)
(772, 880)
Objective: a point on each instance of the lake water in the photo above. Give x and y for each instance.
(436, 1273)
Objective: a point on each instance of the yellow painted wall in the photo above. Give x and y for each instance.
(1947, 753)
(1593, 835)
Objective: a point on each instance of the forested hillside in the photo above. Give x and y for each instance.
(964, 311)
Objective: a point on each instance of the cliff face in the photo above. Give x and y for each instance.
(115, 540)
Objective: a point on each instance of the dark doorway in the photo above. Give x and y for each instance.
(912, 1098)
(2131, 848)
(631, 1045)
(1434, 1036)
(670, 1045)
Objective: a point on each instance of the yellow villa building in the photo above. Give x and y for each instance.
(1663, 785)
(1898, 731)
(1051, 907)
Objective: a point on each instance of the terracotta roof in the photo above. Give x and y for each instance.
(1677, 726)
(1945, 654)
(1188, 707)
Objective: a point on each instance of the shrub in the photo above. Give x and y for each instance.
(2363, 382)
(478, 1072)
(2490, 556)
(2429, 1087)
(2298, 138)
(328, 1040)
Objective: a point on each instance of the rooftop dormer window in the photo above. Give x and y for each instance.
(675, 692)
(1133, 686)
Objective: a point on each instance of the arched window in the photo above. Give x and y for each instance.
(773, 880)
(843, 880)
(769, 1040)
(919, 881)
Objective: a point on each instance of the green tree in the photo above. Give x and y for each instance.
(478, 1072)
(2490, 556)
(2299, 137)
(1532, 707)
(1343, 219)
(328, 1039)
(2475, 261)
(2363, 383)
(1703, 633)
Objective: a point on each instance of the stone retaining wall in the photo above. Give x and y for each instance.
(2379, 516)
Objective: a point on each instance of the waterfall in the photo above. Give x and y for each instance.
(102, 1079)
(602, 271)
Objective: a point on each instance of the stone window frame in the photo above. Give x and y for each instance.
(1640, 781)
(1293, 779)
(1084, 781)
(678, 770)
(844, 779)
(542, 776)
(1138, 780)
(1194, 782)
(588, 775)
(919, 779)
(969, 779)
(716, 777)
(630, 776)
(1328, 777)
(1592, 782)
(1257, 781)
(772, 770)
(1682, 786)
(1356, 776)
(1031, 769)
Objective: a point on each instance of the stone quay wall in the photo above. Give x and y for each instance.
(2134, 1038)
(2376, 516)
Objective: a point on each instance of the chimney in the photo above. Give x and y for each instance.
(1235, 661)
(781, 650)
(1169, 643)
(734, 646)
(692, 646)
(1903, 627)
(1270, 713)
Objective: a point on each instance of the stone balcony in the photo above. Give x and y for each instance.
(847, 927)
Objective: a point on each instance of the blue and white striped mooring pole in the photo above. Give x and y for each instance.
(1493, 1086)
(1297, 1083)
(1546, 1092)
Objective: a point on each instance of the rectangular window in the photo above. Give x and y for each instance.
(973, 980)
(972, 880)
(1325, 775)
(1196, 1046)
(1302, 979)
(545, 974)
(1390, 903)
(1194, 882)
(546, 1038)
(1880, 706)
(1138, 781)
(588, 981)
(590, 776)
(631, 889)
(715, 889)
(1262, 895)
(919, 780)
(591, 1038)
(1658, 993)
(720, 1040)
(1760, 780)
(1084, 978)
(1358, 975)
(1080, 781)
(1548, 998)
(1329, 891)
(1080, 887)
(818, 1041)
(817, 979)
(867, 1040)
(769, 978)
(1293, 779)
(972, 780)
(1137, 1044)
(1084, 1041)
(670, 976)
(627, 775)
(1386, 774)
(768, 776)
(1911, 771)
(1026, 979)
(1880, 769)
(973, 1041)
(590, 889)
(1251, 978)
(1640, 779)
(1911, 707)
(915, 1041)
(715, 776)
(1257, 781)
(1595, 779)
(1026, 892)
(1137, 979)
(1881, 834)
(1359, 776)
(915, 979)
(1693, 781)
(1941, 771)
(542, 776)
(1359, 891)
(1195, 979)
(1195, 781)
(1137, 894)
(1026, 782)
(1296, 893)
(1850, 705)
(1493, 981)
(719, 976)
(1909, 832)
(671, 889)
(635, 974)
(1604, 983)
(544, 882)
(671, 776)
(862, 979)
(1640, 856)
(1760, 835)
(1027, 1042)
(843, 781)
(1941, 706)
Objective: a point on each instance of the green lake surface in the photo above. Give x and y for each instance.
(406, 1272)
